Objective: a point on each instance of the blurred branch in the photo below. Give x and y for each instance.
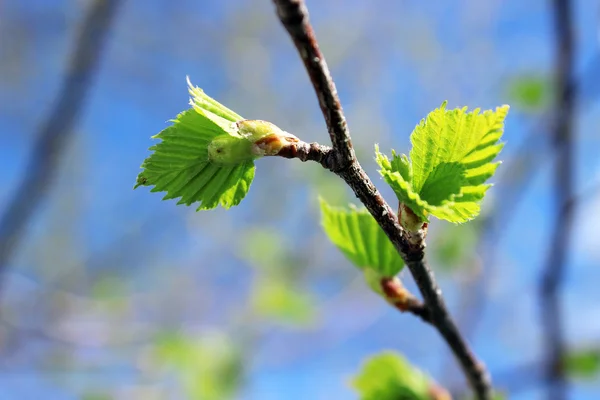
(553, 274)
(513, 380)
(56, 130)
(529, 158)
(342, 161)
(514, 180)
(529, 375)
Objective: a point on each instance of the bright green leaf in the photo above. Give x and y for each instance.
(208, 154)
(201, 157)
(388, 376)
(450, 162)
(357, 235)
(583, 363)
(203, 102)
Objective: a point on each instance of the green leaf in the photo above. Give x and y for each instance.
(356, 233)
(208, 367)
(202, 157)
(388, 376)
(264, 247)
(275, 299)
(450, 162)
(96, 396)
(203, 102)
(453, 247)
(530, 92)
(583, 363)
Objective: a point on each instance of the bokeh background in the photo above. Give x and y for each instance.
(110, 293)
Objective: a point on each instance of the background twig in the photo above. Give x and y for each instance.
(552, 322)
(56, 130)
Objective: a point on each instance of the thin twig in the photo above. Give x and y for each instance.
(398, 296)
(552, 276)
(294, 16)
(56, 131)
(516, 379)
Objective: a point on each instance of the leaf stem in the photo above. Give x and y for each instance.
(342, 161)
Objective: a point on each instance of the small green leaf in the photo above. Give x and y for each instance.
(388, 376)
(530, 92)
(278, 300)
(263, 247)
(201, 158)
(96, 396)
(206, 367)
(208, 154)
(450, 162)
(454, 247)
(583, 363)
(357, 235)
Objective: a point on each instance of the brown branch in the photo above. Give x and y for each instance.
(309, 152)
(56, 131)
(552, 276)
(294, 17)
(398, 296)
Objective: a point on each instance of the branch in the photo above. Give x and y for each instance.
(398, 296)
(294, 16)
(552, 276)
(56, 131)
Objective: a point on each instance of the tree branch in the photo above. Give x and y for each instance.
(398, 296)
(56, 131)
(552, 276)
(294, 16)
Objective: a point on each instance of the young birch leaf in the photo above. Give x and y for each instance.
(357, 235)
(207, 155)
(450, 162)
(388, 376)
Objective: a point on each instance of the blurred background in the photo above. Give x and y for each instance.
(110, 293)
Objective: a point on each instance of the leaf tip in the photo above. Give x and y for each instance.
(140, 181)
